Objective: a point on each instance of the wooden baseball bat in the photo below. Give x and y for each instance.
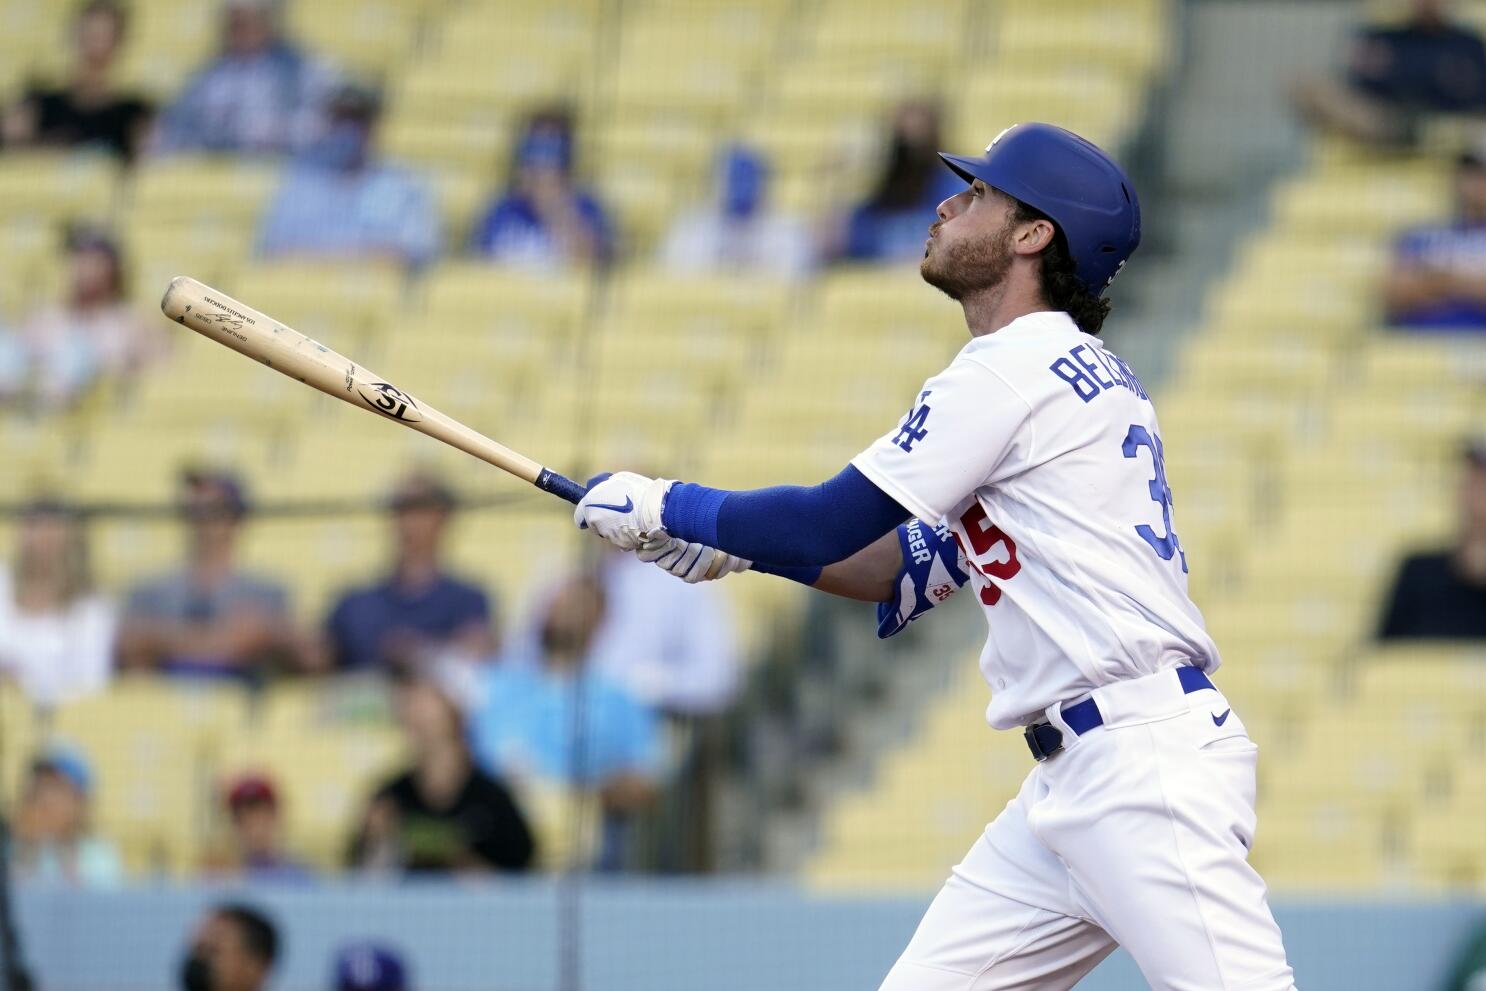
(219, 317)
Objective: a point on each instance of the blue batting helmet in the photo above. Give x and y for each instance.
(1071, 180)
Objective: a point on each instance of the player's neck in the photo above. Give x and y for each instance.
(990, 309)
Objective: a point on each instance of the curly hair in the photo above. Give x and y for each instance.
(1061, 289)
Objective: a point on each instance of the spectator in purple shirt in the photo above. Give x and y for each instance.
(1397, 73)
(545, 220)
(262, 94)
(1438, 276)
(419, 610)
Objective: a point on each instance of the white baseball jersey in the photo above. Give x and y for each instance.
(1040, 450)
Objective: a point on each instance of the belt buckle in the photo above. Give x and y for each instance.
(1040, 751)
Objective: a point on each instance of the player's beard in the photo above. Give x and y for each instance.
(963, 268)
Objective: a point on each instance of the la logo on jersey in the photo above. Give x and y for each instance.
(913, 428)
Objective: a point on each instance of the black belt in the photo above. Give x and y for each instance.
(1044, 739)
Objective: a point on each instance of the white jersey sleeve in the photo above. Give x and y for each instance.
(966, 429)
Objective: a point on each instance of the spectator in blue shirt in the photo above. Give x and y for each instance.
(1397, 73)
(337, 201)
(545, 220)
(419, 610)
(525, 719)
(1438, 276)
(261, 94)
(893, 223)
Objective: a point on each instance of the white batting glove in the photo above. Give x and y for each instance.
(691, 563)
(624, 509)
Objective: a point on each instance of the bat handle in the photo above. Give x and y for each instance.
(559, 485)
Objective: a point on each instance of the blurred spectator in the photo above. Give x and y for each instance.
(892, 223)
(87, 111)
(443, 813)
(527, 719)
(1397, 73)
(544, 219)
(369, 967)
(56, 632)
(1438, 276)
(338, 201)
(60, 351)
(257, 841)
(53, 841)
(233, 949)
(670, 644)
(419, 610)
(210, 618)
(1469, 971)
(260, 94)
(1442, 595)
(737, 233)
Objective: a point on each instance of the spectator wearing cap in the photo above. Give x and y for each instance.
(443, 814)
(737, 232)
(890, 225)
(233, 948)
(544, 219)
(1437, 278)
(53, 838)
(1397, 73)
(338, 201)
(261, 94)
(419, 610)
(209, 618)
(257, 835)
(87, 111)
(56, 631)
(1441, 595)
(62, 349)
(369, 966)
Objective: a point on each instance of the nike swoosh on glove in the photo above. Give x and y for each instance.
(624, 509)
(692, 562)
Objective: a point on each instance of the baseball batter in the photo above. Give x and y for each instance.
(1032, 466)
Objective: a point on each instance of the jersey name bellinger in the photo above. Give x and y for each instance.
(1082, 372)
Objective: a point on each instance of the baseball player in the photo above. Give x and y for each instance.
(1032, 466)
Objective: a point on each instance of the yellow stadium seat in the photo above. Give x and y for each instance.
(452, 145)
(343, 305)
(1093, 101)
(1329, 202)
(369, 37)
(1446, 847)
(827, 87)
(212, 192)
(50, 188)
(1321, 850)
(892, 304)
(484, 89)
(885, 29)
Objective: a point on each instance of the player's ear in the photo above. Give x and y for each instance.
(1033, 236)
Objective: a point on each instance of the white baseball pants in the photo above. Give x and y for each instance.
(1136, 835)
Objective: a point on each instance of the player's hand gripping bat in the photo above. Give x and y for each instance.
(221, 318)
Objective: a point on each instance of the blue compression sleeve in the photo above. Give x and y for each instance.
(787, 525)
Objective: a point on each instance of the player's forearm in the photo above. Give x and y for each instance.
(868, 575)
(789, 525)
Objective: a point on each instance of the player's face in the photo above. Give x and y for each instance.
(969, 246)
